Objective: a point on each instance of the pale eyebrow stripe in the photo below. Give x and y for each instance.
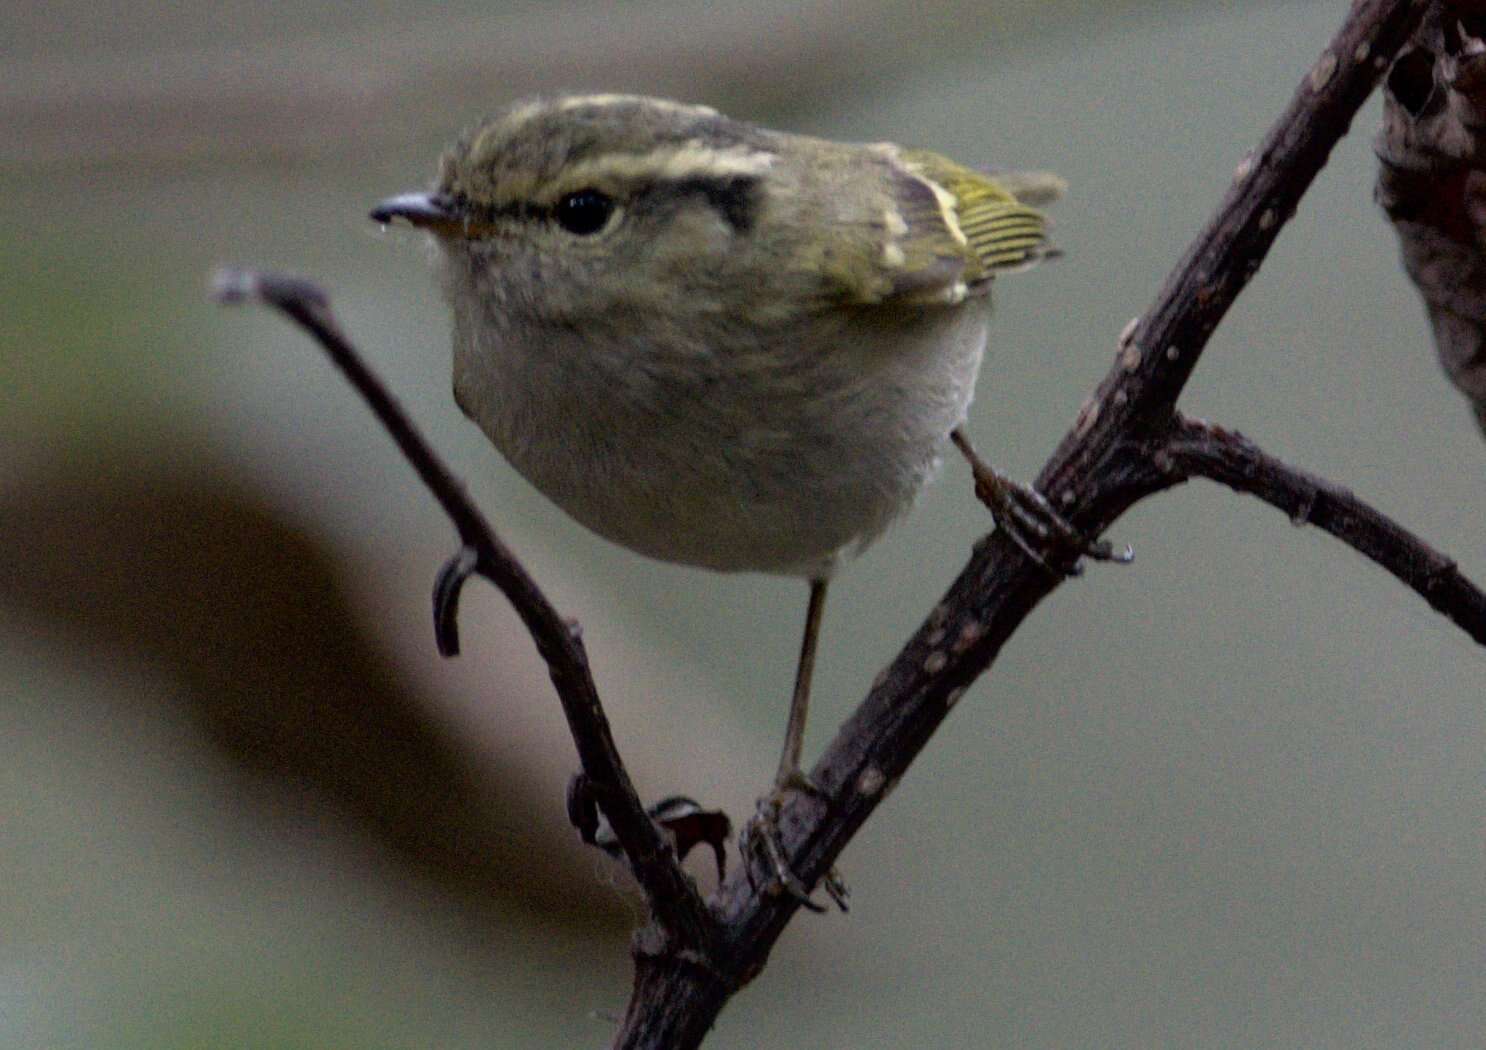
(687, 161)
(690, 160)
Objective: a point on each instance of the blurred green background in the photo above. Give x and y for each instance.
(1230, 796)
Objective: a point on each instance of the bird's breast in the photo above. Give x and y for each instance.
(775, 454)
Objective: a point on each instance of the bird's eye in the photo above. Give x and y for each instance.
(584, 212)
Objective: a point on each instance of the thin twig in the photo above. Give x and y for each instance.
(672, 896)
(1197, 448)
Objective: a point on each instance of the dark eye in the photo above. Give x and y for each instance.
(584, 212)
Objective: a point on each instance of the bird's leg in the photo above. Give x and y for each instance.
(761, 834)
(1025, 515)
(789, 775)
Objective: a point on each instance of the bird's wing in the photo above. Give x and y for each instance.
(944, 232)
(993, 212)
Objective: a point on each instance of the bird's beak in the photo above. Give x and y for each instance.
(427, 211)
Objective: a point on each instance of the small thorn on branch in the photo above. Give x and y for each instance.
(447, 587)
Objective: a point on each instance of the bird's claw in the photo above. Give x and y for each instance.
(759, 841)
(1029, 520)
(1044, 535)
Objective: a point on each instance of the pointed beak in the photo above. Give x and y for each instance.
(428, 211)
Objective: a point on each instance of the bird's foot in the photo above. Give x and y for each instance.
(760, 846)
(1030, 521)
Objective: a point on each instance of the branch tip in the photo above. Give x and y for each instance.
(232, 285)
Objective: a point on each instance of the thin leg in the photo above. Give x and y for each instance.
(760, 838)
(1025, 515)
(799, 705)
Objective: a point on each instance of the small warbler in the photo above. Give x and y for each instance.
(722, 345)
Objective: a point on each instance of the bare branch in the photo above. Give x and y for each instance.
(677, 908)
(1199, 449)
(1099, 470)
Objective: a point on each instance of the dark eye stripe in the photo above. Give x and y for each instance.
(579, 213)
(586, 211)
(511, 210)
(736, 199)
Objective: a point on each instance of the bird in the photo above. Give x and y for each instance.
(727, 346)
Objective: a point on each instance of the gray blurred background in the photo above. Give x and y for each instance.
(1230, 796)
